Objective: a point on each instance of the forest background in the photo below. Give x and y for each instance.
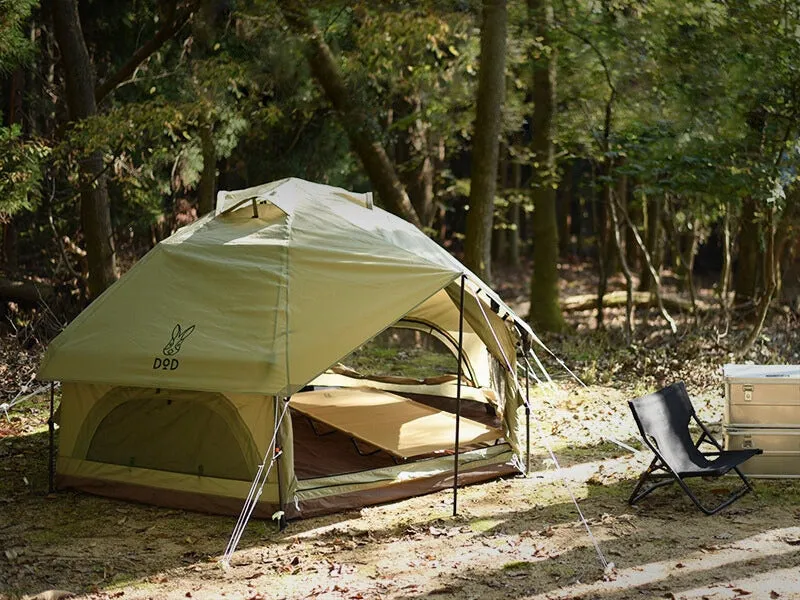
(646, 139)
(624, 172)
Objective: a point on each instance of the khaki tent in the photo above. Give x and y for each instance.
(219, 355)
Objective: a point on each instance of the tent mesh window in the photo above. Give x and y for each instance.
(403, 352)
(191, 433)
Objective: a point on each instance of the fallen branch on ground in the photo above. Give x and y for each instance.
(619, 298)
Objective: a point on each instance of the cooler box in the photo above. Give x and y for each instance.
(762, 396)
(781, 457)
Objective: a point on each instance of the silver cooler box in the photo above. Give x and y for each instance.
(762, 395)
(781, 457)
(762, 410)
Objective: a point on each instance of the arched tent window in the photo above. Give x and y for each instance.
(409, 348)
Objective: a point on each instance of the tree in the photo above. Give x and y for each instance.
(545, 310)
(94, 206)
(485, 146)
(354, 119)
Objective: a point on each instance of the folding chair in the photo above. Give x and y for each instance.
(663, 419)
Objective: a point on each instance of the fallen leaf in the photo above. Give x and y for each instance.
(792, 541)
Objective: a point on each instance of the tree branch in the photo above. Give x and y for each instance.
(175, 20)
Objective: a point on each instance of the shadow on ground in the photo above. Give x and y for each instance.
(84, 543)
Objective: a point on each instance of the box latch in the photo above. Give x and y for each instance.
(748, 393)
(747, 442)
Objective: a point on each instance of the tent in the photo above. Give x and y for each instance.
(221, 352)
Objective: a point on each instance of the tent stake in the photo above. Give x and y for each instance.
(51, 425)
(458, 392)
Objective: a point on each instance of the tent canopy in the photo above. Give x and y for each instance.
(264, 295)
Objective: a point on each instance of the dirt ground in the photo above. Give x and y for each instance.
(519, 537)
(514, 538)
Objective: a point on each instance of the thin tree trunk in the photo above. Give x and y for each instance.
(564, 206)
(653, 272)
(206, 189)
(601, 225)
(514, 220)
(629, 324)
(602, 275)
(653, 207)
(95, 206)
(485, 145)
(360, 131)
(631, 247)
(769, 285)
(499, 237)
(745, 279)
(545, 310)
(727, 262)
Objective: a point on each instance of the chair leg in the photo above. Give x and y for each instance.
(636, 495)
(733, 497)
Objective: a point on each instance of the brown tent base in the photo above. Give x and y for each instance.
(213, 504)
(399, 491)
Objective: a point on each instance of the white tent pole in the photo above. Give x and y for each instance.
(458, 391)
(542, 436)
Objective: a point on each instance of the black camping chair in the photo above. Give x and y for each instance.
(663, 419)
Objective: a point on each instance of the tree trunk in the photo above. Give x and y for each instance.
(545, 311)
(745, 279)
(499, 237)
(208, 177)
(629, 304)
(513, 218)
(9, 256)
(602, 231)
(653, 206)
(564, 210)
(95, 206)
(634, 209)
(485, 144)
(359, 129)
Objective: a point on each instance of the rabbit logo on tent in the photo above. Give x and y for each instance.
(172, 348)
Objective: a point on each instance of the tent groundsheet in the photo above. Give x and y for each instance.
(402, 427)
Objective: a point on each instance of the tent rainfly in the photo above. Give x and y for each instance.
(221, 351)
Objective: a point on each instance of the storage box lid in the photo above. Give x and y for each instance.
(760, 373)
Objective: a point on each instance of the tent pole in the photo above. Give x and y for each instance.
(458, 392)
(51, 425)
(527, 418)
(276, 457)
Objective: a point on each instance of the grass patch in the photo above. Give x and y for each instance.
(517, 566)
(484, 525)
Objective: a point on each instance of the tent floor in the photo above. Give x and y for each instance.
(330, 452)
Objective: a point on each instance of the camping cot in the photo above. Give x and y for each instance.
(178, 382)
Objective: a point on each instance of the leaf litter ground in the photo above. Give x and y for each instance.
(513, 538)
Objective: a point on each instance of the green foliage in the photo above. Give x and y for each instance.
(20, 171)
(16, 48)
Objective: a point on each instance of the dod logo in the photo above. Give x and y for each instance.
(171, 349)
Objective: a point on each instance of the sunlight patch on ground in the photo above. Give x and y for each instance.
(754, 549)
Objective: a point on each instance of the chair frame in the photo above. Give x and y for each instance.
(663, 474)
